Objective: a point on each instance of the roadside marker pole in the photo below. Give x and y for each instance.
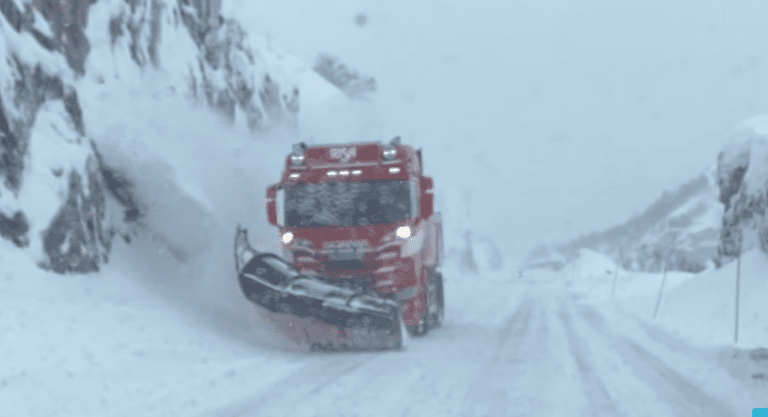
(616, 272)
(738, 278)
(661, 290)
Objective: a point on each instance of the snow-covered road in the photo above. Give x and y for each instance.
(541, 353)
(510, 346)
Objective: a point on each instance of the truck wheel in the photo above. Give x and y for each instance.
(419, 329)
(435, 300)
(422, 327)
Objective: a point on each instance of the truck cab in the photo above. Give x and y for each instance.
(362, 216)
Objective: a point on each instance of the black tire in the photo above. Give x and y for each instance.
(440, 297)
(419, 329)
(424, 324)
(435, 295)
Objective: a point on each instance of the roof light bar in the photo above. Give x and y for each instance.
(297, 157)
(332, 173)
(344, 172)
(356, 172)
(390, 153)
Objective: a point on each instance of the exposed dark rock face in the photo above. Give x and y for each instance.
(224, 50)
(76, 240)
(121, 188)
(15, 228)
(72, 106)
(12, 14)
(223, 46)
(67, 20)
(80, 220)
(31, 89)
(11, 153)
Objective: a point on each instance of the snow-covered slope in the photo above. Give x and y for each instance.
(101, 345)
(51, 194)
(743, 177)
(700, 307)
(702, 222)
(69, 72)
(680, 229)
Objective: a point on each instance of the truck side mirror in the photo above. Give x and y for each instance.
(427, 198)
(271, 205)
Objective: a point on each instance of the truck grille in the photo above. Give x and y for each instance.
(350, 265)
(346, 250)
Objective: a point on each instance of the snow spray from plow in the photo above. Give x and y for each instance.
(314, 308)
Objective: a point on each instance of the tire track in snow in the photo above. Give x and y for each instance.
(669, 385)
(506, 385)
(516, 328)
(298, 388)
(600, 401)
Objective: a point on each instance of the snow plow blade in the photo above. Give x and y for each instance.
(335, 317)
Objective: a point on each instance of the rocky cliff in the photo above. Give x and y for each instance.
(56, 189)
(742, 175)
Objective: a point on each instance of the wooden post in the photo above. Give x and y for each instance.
(661, 290)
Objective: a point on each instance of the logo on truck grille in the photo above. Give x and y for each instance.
(343, 154)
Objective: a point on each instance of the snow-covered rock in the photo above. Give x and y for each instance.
(51, 198)
(211, 62)
(742, 175)
(59, 196)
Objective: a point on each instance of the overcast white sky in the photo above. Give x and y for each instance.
(565, 117)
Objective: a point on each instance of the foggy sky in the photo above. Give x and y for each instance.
(563, 117)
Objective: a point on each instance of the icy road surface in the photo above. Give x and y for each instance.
(532, 350)
(103, 346)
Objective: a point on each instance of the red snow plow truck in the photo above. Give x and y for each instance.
(361, 247)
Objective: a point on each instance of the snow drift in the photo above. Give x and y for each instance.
(701, 307)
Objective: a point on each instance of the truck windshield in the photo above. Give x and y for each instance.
(345, 203)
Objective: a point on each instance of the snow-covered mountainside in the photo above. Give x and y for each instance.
(680, 229)
(743, 178)
(706, 221)
(57, 62)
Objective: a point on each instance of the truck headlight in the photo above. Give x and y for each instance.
(404, 231)
(287, 237)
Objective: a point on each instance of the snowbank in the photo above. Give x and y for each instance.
(105, 346)
(704, 308)
(700, 307)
